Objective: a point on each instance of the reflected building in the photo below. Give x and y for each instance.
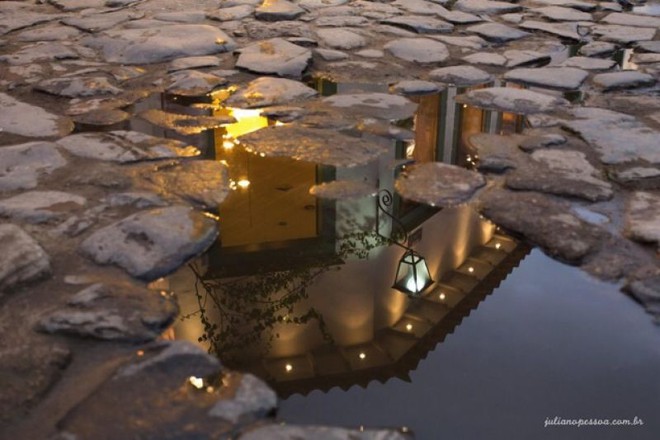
(298, 290)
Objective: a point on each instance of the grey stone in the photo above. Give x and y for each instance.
(158, 44)
(291, 432)
(181, 17)
(575, 4)
(486, 6)
(420, 24)
(317, 145)
(41, 206)
(54, 32)
(563, 30)
(541, 141)
(274, 56)
(519, 58)
(276, 10)
(193, 83)
(562, 78)
(153, 243)
(22, 259)
(40, 123)
(105, 117)
(623, 80)
(125, 146)
(267, 91)
(22, 165)
(460, 76)
(643, 217)
(418, 50)
(588, 63)
(164, 376)
(250, 396)
(617, 137)
(193, 63)
(12, 20)
(343, 190)
(321, 4)
(415, 87)
(203, 183)
(99, 22)
(646, 290)
(370, 53)
(117, 312)
(439, 184)
(231, 13)
(341, 21)
(649, 46)
(635, 20)
(139, 199)
(28, 370)
(562, 172)
(597, 48)
(342, 39)
(646, 58)
(636, 174)
(78, 87)
(497, 32)
(471, 41)
(331, 55)
(487, 58)
(375, 105)
(184, 124)
(419, 7)
(623, 34)
(543, 221)
(511, 100)
(559, 13)
(497, 153)
(260, 30)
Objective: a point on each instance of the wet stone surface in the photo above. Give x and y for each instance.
(114, 119)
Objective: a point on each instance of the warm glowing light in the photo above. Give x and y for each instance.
(243, 183)
(470, 269)
(247, 121)
(288, 368)
(498, 245)
(362, 355)
(409, 327)
(196, 382)
(279, 123)
(442, 296)
(209, 389)
(140, 353)
(227, 145)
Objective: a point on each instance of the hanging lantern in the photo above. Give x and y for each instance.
(412, 274)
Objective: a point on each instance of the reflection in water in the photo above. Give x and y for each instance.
(299, 290)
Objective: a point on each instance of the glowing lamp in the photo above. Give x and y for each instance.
(412, 275)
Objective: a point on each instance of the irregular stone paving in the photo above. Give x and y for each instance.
(89, 218)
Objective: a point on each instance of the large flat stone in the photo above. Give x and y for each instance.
(41, 206)
(118, 312)
(22, 165)
(439, 184)
(418, 50)
(27, 120)
(512, 100)
(158, 44)
(643, 217)
(544, 222)
(497, 32)
(563, 78)
(153, 243)
(267, 91)
(374, 105)
(22, 259)
(275, 56)
(125, 146)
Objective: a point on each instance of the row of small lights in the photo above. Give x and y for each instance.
(409, 326)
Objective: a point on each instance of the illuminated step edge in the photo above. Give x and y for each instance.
(397, 350)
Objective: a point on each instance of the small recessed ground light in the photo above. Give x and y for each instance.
(443, 296)
(362, 355)
(288, 368)
(196, 382)
(408, 327)
(498, 245)
(470, 269)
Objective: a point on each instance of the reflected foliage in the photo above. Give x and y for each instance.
(244, 312)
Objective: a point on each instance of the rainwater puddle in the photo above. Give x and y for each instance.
(313, 295)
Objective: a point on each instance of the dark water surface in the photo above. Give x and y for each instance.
(550, 341)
